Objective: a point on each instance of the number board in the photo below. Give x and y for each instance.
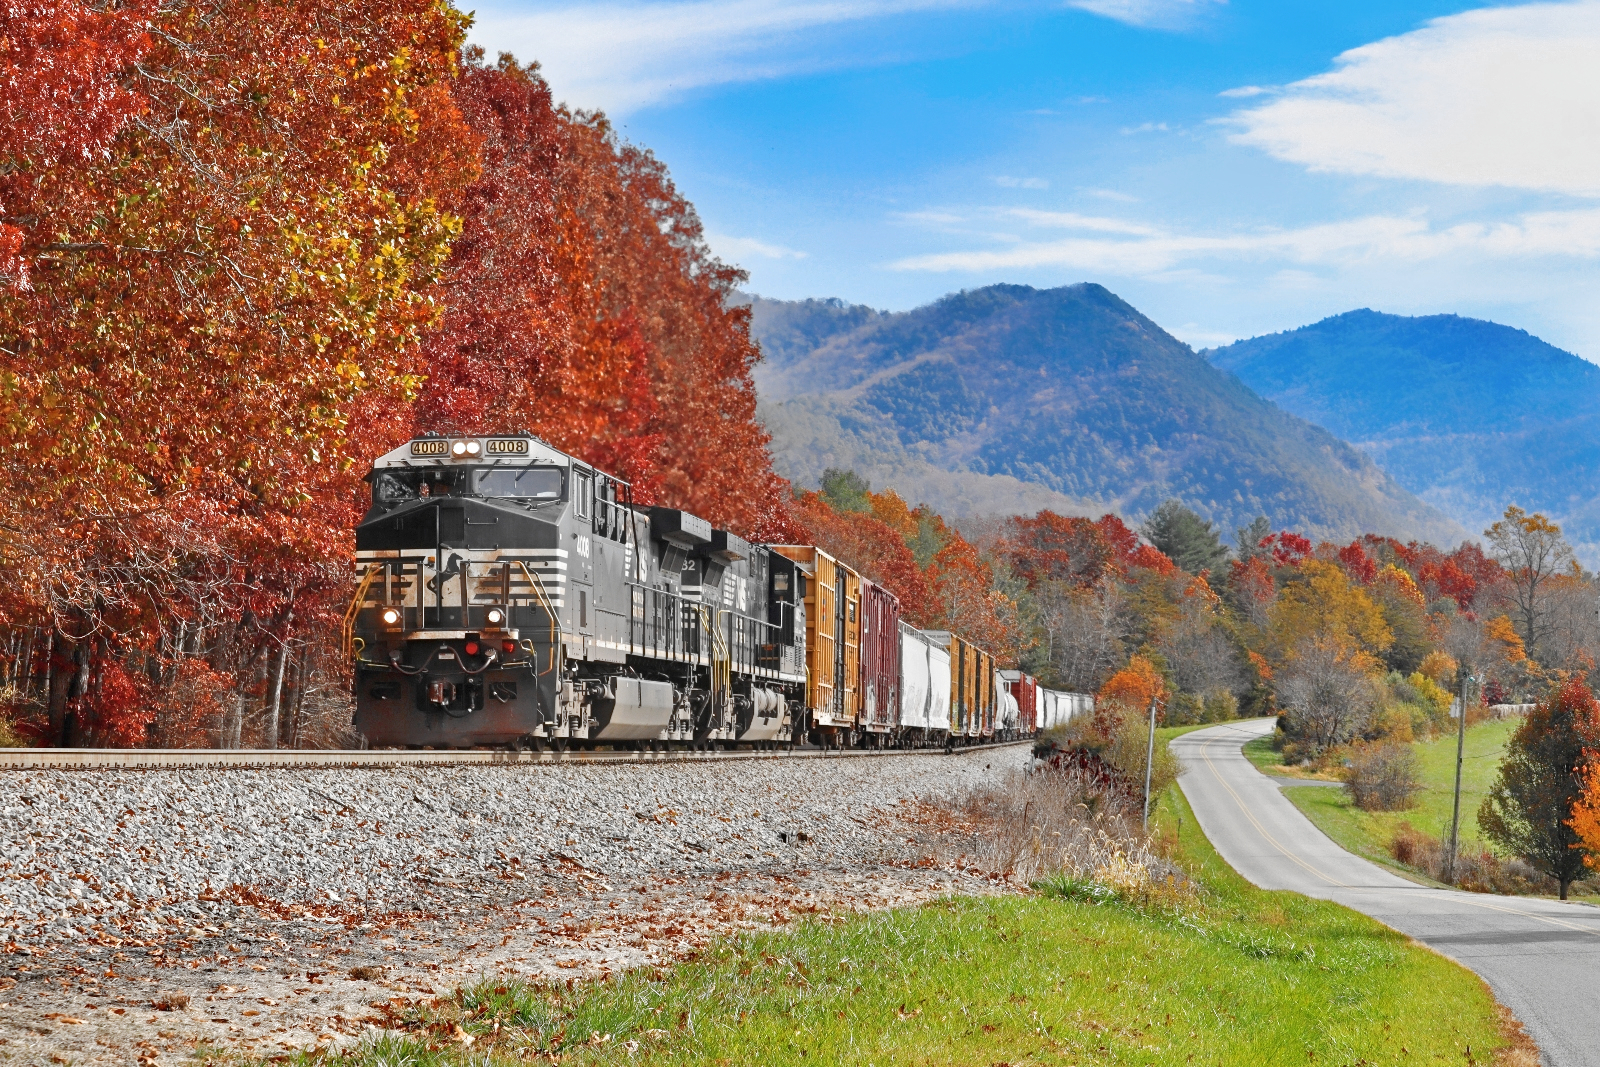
(515, 446)
(432, 447)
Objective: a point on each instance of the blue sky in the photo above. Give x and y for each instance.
(1230, 167)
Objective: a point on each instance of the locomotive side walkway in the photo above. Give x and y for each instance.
(1541, 957)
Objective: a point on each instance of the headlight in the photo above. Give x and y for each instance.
(496, 616)
(459, 448)
(473, 448)
(391, 617)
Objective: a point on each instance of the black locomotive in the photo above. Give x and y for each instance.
(511, 594)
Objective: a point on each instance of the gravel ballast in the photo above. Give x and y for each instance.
(202, 890)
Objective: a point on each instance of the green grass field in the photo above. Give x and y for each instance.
(1233, 976)
(1368, 833)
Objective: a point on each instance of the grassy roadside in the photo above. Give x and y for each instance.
(1072, 974)
(1269, 760)
(1368, 833)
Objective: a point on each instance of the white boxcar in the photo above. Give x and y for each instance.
(924, 683)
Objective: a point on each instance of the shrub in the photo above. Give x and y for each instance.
(1477, 869)
(1382, 777)
(1185, 709)
(1395, 723)
(1118, 739)
(1221, 706)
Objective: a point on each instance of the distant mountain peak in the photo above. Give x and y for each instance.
(1071, 388)
(1469, 414)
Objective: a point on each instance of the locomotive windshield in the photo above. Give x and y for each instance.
(527, 483)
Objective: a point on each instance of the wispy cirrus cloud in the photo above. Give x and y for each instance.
(739, 249)
(1127, 248)
(1503, 96)
(623, 56)
(1158, 14)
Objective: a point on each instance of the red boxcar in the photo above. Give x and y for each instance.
(880, 659)
(1025, 688)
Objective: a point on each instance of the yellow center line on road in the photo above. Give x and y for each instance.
(1205, 754)
(1452, 897)
(1463, 898)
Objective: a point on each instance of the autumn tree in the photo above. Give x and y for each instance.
(1198, 647)
(1326, 693)
(1532, 553)
(223, 298)
(1530, 810)
(1319, 605)
(64, 94)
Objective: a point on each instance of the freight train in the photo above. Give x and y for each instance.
(512, 595)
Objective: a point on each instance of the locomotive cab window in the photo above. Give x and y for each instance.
(391, 490)
(526, 483)
(582, 489)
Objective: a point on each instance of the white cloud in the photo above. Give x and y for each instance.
(737, 249)
(1068, 220)
(622, 56)
(1197, 336)
(1245, 90)
(1005, 182)
(1504, 96)
(1112, 194)
(1363, 243)
(1165, 14)
(1145, 127)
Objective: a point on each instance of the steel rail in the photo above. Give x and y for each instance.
(87, 759)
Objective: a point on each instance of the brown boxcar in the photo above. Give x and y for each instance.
(972, 695)
(880, 659)
(833, 642)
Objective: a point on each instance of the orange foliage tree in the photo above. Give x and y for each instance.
(223, 298)
(584, 305)
(1131, 689)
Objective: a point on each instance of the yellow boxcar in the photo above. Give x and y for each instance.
(833, 641)
(972, 695)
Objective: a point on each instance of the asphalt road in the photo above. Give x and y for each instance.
(1541, 957)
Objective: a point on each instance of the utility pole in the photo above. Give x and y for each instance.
(1461, 744)
(1149, 761)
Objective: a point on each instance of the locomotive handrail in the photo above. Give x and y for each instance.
(347, 631)
(537, 584)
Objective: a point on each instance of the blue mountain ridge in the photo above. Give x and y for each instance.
(1071, 391)
(1469, 415)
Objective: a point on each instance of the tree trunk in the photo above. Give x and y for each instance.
(299, 696)
(26, 680)
(58, 682)
(275, 697)
(1565, 883)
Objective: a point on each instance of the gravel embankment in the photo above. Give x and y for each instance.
(271, 886)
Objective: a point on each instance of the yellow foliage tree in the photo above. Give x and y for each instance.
(1499, 633)
(1320, 604)
(1439, 666)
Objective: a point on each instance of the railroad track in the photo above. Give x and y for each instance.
(88, 759)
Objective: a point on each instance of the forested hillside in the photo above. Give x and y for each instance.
(1068, 389)
(1467, 414)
